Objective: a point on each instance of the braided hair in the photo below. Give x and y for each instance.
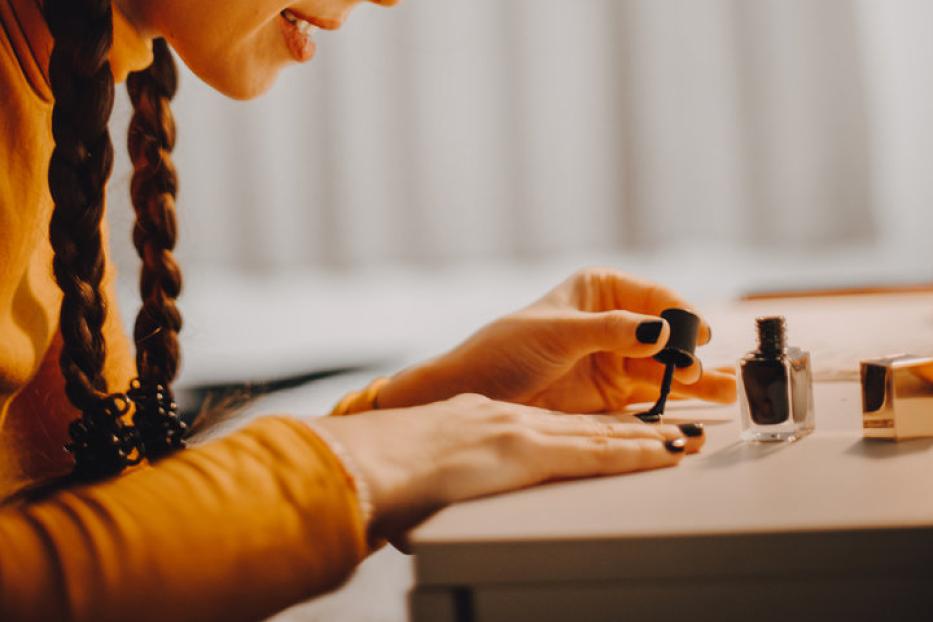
(153, 190)
(82, 82)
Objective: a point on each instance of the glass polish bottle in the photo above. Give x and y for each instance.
(775, 387)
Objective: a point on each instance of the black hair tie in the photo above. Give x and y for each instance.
(161, 431)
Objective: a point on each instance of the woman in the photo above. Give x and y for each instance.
(280, 510)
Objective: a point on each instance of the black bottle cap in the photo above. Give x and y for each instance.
(682, 343)
(771, 335)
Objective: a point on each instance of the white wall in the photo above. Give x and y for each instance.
(445, 131)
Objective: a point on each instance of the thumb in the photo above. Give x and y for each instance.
(622, 332)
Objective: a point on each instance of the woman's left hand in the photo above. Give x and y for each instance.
(584, 347)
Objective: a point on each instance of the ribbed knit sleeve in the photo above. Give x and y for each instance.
(235, 530)
(360, 401)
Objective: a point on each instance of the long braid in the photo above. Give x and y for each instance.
(153, 190)
(81, 163)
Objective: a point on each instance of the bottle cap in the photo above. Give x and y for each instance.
(897, 397)
(772, 332)
(682, 342)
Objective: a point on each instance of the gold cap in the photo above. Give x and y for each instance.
(897, 397)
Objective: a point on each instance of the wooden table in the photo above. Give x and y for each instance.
(831, 527)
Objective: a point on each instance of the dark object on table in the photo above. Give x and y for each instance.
(777, 387)
(677, 354)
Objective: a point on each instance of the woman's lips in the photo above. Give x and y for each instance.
(298, 35)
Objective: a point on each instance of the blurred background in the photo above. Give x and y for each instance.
(445, 161)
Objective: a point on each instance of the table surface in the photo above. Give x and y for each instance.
(830, 481)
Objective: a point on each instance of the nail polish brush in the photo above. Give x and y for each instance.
(678, 353)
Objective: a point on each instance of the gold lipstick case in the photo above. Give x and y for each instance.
(897, 397)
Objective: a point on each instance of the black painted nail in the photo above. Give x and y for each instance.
(676, 446)
(691, 430)
(649, 331)
(649, 417)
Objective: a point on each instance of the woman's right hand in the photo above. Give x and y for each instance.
(417, 460)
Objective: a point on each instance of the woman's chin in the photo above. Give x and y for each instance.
(245, 85)
(236, 77)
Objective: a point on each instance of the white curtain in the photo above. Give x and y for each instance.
(443, 131)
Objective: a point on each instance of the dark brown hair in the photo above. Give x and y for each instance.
(83, 86)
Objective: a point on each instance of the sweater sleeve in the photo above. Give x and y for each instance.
(360, 401)
(235, 529)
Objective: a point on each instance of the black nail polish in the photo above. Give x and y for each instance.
(649, 331)
(691, 430)
(776, 387)
(676, 446)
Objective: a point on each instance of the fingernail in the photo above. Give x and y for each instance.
(649, 331)
(691, 430)
(676, 446)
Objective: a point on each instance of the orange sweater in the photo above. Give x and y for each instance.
(234, 529)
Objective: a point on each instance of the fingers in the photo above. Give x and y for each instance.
(650, 371)
(611, 427)
(642, 296)
(623, 332)
(695, 435)
(582, 456)
(716, 385)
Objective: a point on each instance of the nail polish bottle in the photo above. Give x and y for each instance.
(776, 387)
